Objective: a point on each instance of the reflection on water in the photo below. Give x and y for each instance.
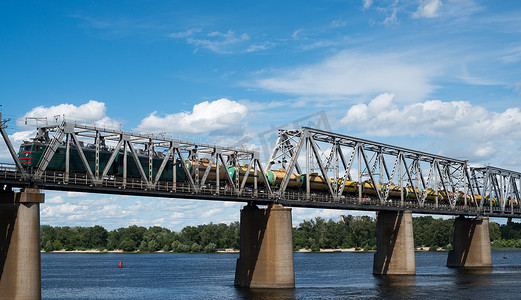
(468, 278)
(475, 271)
(396, 286)
(260, 294)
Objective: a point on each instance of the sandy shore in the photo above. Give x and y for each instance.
(232, 250)
(335, 250)
(84, 251)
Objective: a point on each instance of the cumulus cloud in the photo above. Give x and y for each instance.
(428, 9)
(92, 112)
(205, 117)
(484, 133)
(351, 74)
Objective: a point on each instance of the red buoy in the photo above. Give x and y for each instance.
(120, 264)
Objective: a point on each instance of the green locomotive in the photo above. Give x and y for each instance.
(31, 152)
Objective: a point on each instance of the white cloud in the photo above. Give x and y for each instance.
(184, 34)
(455, 9)
(392, 19)
(92, 113)
(350, 74)
(218, 41)
(54, 200)
(16, 139)
(512, 55)
(76, 194)
(64, 209)
(296, 34)
(177, 215)
(260, 47)
(205, 117)
(338, 23)
(428, 9)
(473, 130)
(367, 3)
(211, 212)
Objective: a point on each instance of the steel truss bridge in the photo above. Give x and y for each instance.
(400, 178)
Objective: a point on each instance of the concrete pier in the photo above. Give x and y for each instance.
(395, 244)
(20, 271)
(266, 257)
(471, 244)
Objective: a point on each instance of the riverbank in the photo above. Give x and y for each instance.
(230, 250)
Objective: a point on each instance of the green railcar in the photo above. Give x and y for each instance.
(31, 153)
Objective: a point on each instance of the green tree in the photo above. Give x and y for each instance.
(128, 245)
(495, 231)
(210, 248)
(48, 247)
(195, 247)
(56, 245)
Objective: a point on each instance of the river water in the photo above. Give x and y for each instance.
(317, 276)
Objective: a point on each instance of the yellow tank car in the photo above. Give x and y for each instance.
(431, 195)
(478, 198)
(488, 200)
(368, 188)
(514, 201)
(394, 190)
(201, 169)
(460, 200)
(443, 197)
(241, 171)
(351, 186)
(316, 182)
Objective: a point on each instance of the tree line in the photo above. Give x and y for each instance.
(357, 232)
(202, 238)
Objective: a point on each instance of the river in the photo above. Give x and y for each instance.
(317, 276)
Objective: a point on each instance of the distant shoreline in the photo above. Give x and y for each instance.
(419, 249)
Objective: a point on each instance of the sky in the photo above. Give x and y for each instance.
(440, 76)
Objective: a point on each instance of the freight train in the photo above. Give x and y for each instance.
(30, 154)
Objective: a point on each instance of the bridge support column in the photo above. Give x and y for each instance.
(266, 257)
(471, 243)
(395, 244)
(20, 270)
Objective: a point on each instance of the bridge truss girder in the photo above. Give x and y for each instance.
(496, 185)
(72, 135)
(337, 158)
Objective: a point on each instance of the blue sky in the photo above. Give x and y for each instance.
(441, 76)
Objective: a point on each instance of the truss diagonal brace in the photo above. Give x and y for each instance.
(51, 149)
(13, 153)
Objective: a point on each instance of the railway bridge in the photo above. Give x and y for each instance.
(307, 168)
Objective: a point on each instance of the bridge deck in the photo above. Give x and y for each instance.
(165, 189)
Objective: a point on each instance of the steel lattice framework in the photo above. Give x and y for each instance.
(307, 168)
(378, 166)
(128, 144)
(498, 186)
